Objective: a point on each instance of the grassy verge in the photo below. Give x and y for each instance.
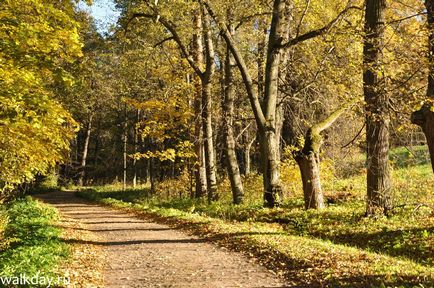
(30, 242)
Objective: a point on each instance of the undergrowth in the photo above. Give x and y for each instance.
(30, 241)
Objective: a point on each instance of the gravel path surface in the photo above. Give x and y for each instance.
(146, 254)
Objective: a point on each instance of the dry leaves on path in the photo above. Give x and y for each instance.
(86, 265)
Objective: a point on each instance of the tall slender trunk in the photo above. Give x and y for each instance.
(425, 116)
(199, 167)
(247, 159)
(208, 142)
(136, 144)
(125, 139)
(152, 174)
(85, 151)
(96, 151)
(269, 132)
(377, 119)
(231, 155)
(207, 110)
(261, 92)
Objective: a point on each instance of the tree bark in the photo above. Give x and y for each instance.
(152, 174)
(270, 132)
(247, 159)
(209, 143)
(425, 116)
(199, 167)
(85, 151)
(125, 139)
(309, 163)
(379, 199)
(136, 144)
(310, 176)
(207, 111)
(232, 162)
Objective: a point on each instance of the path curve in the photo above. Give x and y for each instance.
(146, 254)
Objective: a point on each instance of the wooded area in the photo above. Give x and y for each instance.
(212, 101)
(214, 89)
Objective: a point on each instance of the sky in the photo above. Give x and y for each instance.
(103, 11)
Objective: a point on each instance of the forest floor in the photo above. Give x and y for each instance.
(141, 253)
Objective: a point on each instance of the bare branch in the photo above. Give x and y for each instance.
(323, 30)
(171, 27)
(408, 17)
(247, 79)
(250, 17)
(355, 137)
(326, 123)
(303, 15)
(163, 41)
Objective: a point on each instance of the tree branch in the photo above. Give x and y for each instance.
(163, 41)
(171, 27)
(326, 123)
(320, 31)
(249, 17)
(247, 79)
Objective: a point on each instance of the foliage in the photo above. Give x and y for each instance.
(38, 38)
(30, 243)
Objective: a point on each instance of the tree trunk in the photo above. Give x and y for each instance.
(232, 162)
(207, 111)
(125, 139)
(377, 119)
(269, 133)
(152, 174)
(272, 190)
(136, 144)
(208, 142)
(308, 162)
(425, 116)
(247, 159)
(199, 167)
(312, 191)
(85, 151)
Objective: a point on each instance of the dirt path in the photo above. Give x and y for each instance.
(146, 254)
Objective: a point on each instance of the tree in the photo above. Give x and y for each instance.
(204, 71)
(38, 38)
(266, 110)
(377, 117)
(424, 117)
(228, 118)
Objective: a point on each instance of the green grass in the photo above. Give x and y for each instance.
(30, 241)
(336, 246)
